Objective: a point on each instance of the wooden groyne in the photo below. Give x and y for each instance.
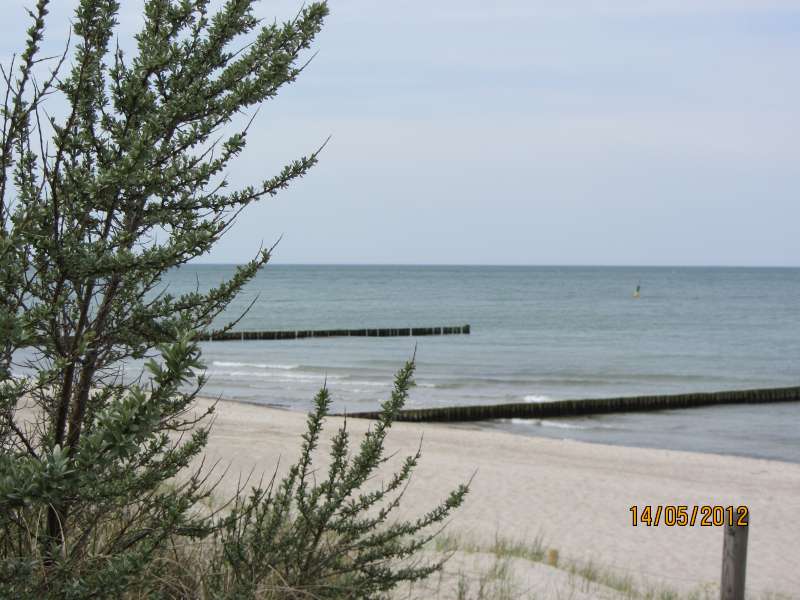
(231, 336)
(594, 406)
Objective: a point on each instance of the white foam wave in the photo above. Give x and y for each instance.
(385, 384)
(222, 363)
(543, 423)
(534, 399)
(244, 375)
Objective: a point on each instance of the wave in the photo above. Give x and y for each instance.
(385, 384)
(222, 363)
(535, 399)
(543, 423)
(284, 376)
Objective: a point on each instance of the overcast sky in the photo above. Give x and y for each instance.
(529, 132)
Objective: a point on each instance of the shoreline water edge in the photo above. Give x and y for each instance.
(651, 429)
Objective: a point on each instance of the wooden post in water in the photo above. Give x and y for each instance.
(734, 561)
(224, 336)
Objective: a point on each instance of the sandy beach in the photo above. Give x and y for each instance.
(575, 497)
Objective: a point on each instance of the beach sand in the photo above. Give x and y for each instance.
(574, 496)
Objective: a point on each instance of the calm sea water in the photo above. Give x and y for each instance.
(538, 334)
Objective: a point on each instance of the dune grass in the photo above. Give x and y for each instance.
(587, 578)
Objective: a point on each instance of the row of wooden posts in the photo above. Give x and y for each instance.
(594, 406)
(231, 336)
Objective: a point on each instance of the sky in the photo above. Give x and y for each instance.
(526, 132)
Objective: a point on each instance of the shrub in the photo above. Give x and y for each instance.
(97, 495)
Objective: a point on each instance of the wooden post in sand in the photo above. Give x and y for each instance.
(734, 561)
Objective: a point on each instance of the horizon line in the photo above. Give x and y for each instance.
(521, 265)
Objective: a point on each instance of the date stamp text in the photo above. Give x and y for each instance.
(682, 515)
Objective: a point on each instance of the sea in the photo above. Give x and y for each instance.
(538, 334)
